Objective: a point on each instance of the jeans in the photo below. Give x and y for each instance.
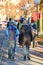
(17, 39)
(11, 50)
(26, 50)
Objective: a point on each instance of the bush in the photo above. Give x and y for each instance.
(41, 43)
(40, 36)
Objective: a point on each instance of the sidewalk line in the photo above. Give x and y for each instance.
(33, 56)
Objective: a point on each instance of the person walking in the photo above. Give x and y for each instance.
(34, 32)
(11, 29)
(25, 40)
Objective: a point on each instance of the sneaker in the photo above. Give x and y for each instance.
(21, 46)
(28, 58)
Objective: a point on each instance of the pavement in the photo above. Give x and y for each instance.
(36, 54)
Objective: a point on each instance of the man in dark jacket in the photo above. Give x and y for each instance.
(25, 40)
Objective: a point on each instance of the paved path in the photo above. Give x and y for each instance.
(36, 54)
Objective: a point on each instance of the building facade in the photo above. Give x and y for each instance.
(41, 16)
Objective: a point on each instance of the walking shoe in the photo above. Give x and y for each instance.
(28, 58)
(12, 59)
(24, 58)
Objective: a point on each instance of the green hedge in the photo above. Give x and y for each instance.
(38, 24)
(41, 36)
(41, 43)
